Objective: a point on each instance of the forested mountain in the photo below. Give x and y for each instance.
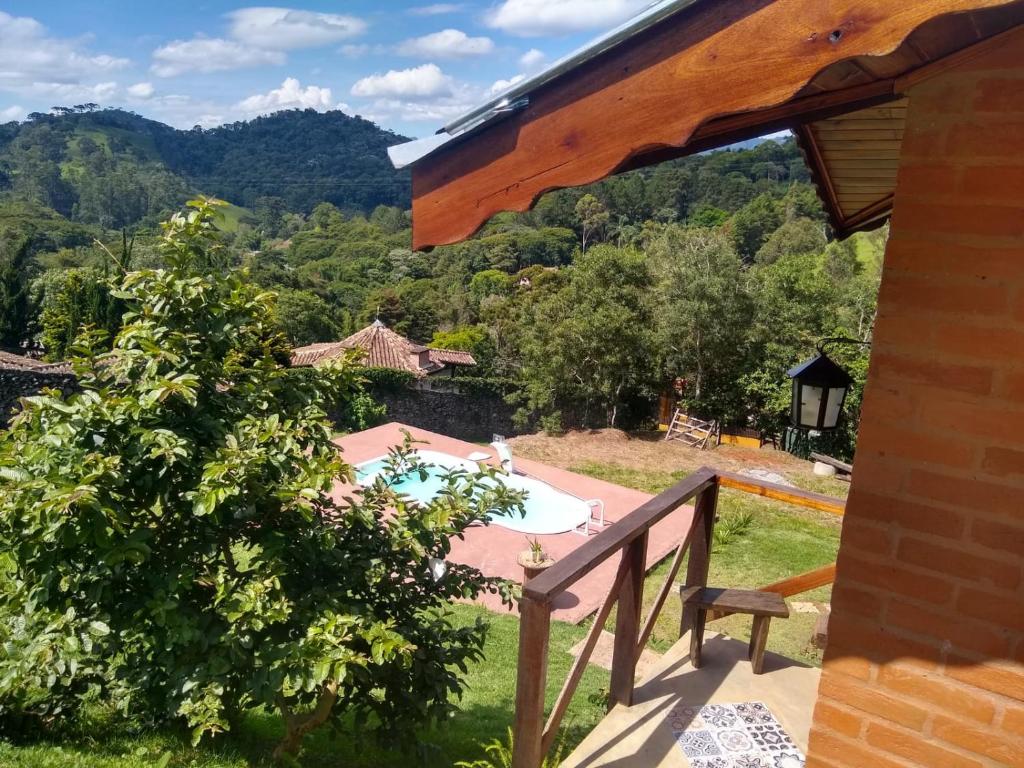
(114, 169)
(713, 274)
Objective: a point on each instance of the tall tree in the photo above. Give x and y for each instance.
(591, 215)
(15, 310)
(703, 320)
(589, 344)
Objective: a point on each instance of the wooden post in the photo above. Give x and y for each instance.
(531, 681)
(700, 548)
(627, 624)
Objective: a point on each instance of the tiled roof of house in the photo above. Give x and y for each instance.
(452, 357)
(383, 348)
(12, 362)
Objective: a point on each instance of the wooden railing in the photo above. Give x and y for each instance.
(628, 537)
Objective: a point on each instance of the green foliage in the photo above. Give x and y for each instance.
(754, 223)
(170, 545)
(306, 318)
(387, 379)
(14, 293)
(704, 318)
(499, 754)
(591, 342)
(592, 216)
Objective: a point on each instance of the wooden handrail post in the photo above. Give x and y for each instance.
(531, 682)
(700, 547)
(627, 623)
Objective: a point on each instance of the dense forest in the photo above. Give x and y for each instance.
(712, 274)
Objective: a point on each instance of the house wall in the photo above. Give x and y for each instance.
(924, 662)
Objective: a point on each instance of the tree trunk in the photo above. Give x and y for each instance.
(297, 726)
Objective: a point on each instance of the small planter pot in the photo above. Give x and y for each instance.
(531, 567)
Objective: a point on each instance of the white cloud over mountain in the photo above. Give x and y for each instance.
(423, 82)
(140, 90)
(530, 18)
(291, 95)
(209, 54)
(13, 112)
(288, 28)
(446, 44)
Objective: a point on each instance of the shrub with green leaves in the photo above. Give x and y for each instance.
(169, 544)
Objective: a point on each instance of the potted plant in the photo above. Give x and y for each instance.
(534, 560)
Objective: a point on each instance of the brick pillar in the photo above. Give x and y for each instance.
(925, 662)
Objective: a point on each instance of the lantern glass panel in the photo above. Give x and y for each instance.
(810, 405)
(836, 395)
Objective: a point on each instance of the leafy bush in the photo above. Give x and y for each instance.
(169, 542)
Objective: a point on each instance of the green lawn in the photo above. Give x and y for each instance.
(485, 713)
(780, 541)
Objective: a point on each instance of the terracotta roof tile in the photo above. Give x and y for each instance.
(383, 348)
(12, 362)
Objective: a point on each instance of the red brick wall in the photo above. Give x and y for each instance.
(925, 663)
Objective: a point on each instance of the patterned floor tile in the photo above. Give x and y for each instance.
(744, 735)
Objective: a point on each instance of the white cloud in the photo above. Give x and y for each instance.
(423, 82)
(209, 54)
(140, 90)
(13, 112)
(559, 17)
(437, 9)
(501, 86)
(291, 95)
(533, 59)
(286, 28)
(446, 44)
(30, 57)
(75, 91)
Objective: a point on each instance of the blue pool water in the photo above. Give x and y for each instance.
(548, 510)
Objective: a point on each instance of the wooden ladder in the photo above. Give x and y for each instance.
(689, 430)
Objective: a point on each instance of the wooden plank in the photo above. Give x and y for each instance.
(701, 540)
(627, 624)
(580, 664)
(663, 593)
(804, 582)
(842, 466)
(777, 492)
(868, 214)
(531, 681)
(596, 549)
(655, 89)
(755, 602)
(820, 176)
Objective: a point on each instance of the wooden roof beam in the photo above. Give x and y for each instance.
(652, 93)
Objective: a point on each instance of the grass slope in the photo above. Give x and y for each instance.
(485, 712)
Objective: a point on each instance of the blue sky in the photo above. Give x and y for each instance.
(409, 65)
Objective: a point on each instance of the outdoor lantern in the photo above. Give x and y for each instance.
(819, 389)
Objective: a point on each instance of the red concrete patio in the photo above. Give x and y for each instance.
(494, 549)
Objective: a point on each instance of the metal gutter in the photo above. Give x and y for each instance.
(517, 97)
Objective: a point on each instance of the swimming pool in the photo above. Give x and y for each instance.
(548, 510)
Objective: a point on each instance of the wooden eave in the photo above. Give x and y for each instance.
(719, 72)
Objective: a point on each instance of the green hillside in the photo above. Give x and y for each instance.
(115, 169)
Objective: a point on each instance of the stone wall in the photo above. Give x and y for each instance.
(16, 384)
(473, 417)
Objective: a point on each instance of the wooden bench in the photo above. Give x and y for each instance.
(761, 605)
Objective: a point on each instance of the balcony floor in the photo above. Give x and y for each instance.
(641, 737)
